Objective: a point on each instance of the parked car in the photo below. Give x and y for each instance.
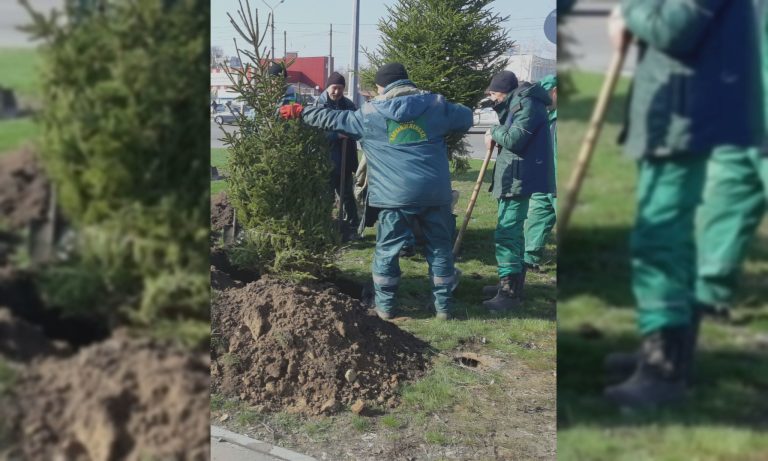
(225, 116)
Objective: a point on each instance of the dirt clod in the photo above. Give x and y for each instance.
(358, 407)
(307, 348)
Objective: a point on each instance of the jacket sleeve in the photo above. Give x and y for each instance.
(515, 136)
(459, 118)
(346, 121)
(674, 27)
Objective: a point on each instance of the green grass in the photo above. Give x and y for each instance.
(19, 70)
(725, 415)
(16, 132)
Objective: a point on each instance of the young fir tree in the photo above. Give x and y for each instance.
(126, 92)
(449, 47)
(279, 171)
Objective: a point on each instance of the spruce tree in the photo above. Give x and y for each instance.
(279, 170)
(449, 47)
(124, 141)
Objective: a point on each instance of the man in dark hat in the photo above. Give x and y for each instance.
(403, 134)
(277, 69)
(524, 166)
(333, 98)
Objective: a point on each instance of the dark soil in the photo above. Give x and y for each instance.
(307, 349)
(24, 189)
(221, 212)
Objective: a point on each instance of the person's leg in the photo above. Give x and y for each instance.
(540, 222)
(391, 234)
(350, 204)
(733, 207)
(510, 252)
(663, 257)
(437, 225)
(663, 252)
(509, 235)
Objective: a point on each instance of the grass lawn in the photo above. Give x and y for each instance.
(19, 70)
(15, 133)
(726, 416)
(499, 412)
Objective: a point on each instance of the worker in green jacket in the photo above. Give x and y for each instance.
(524, 166)
(542, 207)
(696, 72)
(735, 200)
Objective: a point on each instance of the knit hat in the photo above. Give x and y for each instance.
(549, 82)
(277, 70)
(336, 79)
(503, 82)
(389, 73)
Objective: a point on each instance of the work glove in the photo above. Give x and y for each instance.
(291, 111)
(488, 138)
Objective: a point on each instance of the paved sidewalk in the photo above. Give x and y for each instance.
(229, 446)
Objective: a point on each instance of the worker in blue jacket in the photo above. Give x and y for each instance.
(402, 132)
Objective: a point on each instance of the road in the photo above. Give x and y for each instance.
(475, 139)
(585, 37)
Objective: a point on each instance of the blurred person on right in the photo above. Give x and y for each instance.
(697, 69)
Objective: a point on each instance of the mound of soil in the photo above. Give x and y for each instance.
(23, 189)
(221, 212)
(124, 398)
(307, 349)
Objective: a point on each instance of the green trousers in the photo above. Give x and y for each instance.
(734, 202)
(510, 235)
(662, 245)
(541, 220)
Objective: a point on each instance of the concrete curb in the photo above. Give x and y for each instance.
(248, 449)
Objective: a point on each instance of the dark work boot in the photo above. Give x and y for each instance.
(619, 366)
(660, 376)
(520, 283)
(489, 291)
(505, 298)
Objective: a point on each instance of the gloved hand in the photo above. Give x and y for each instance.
(488, 138)
(291, 111)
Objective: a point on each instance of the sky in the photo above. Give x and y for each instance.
(307, 24)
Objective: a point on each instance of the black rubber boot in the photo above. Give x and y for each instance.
(489, 291)
(619, 366)
(505, 298)
(660, 376)
(520, 283)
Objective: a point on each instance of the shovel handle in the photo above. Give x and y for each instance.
(473, 199)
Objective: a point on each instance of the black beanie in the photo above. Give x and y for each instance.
(277, 70)
(389, 73)
(503, 82)
(336, 79)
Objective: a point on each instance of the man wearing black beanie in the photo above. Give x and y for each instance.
(403, 134)
(333, 98)
(524, 166)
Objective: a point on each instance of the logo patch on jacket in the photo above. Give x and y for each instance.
(407, 132)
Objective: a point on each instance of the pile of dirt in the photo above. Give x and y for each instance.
(221, 212)
(124, 398)
(24, 189)
(307, 349)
